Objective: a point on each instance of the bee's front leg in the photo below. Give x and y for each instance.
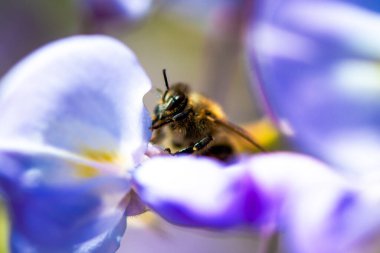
(197, 146)
(181, 115)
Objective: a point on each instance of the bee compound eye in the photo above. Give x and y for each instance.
(174, 102)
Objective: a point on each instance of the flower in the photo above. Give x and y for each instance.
(327, 65)
(66, 148)
(319, 78)
(98, 13)
(321, 84)
(315, 209)
(73, 123)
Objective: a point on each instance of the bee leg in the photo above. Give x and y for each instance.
(197, 146)
(156, 124)
(181, 115)
(169, 151)
(202, 143)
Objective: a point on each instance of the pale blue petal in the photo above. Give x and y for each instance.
(321, 79)
(64, 217)
(81, 94)
(199, 192)
(73, 122)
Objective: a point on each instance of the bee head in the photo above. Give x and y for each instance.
(173, 102)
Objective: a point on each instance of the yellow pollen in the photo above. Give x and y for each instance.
(87, 171)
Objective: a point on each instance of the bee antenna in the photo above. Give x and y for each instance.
(166, 79)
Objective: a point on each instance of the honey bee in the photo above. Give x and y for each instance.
(185, 122)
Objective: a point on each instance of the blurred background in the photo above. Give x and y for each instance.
(198, 42)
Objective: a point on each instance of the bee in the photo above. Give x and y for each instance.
(185, 122)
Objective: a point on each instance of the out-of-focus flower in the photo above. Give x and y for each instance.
(73, 123)
(100, 13)
(66, 147)
(319, 67)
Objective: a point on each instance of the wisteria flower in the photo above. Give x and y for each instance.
(100, 13)
(322, 78)
(73, 123)
(315, 209)
(318, 63)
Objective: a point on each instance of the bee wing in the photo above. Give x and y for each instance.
(237, 130)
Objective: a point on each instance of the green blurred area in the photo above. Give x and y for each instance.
(167, 41)
(26, 25)
(4, 229)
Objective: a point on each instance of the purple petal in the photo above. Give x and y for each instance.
(316, 209)
(113, 10)
(321, 79)
(82, 94)
(197, 192)
(73, 122)
(66, 217)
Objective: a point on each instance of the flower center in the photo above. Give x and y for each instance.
(101, 156)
